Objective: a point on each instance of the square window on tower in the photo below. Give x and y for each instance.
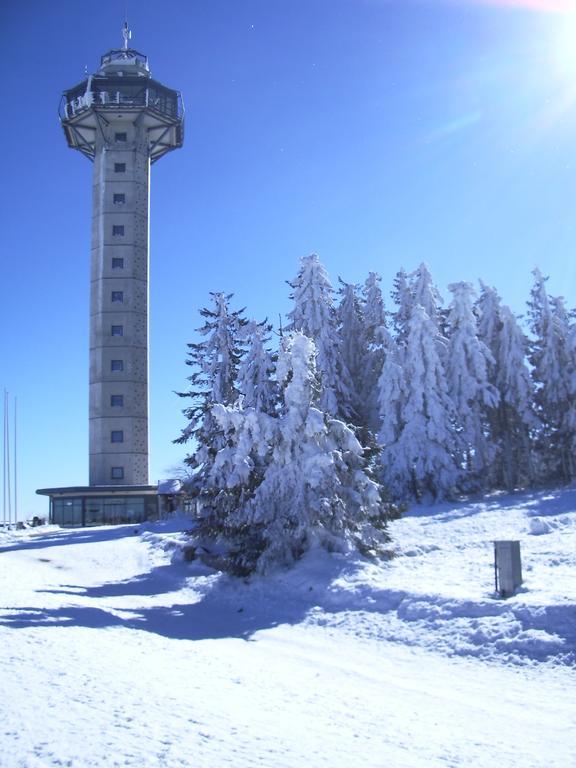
(117, 262)
(117, 230)
(117, 330)
(119, 198)
(117, 296)
(119, 167)
(117, 436)
(117, 473)
(117, 401)
(117, 365)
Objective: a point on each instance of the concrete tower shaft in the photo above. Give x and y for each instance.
(122, 120)
(119, 306)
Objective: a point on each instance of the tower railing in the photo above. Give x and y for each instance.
(153, 96)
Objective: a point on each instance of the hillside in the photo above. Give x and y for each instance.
(115, 652)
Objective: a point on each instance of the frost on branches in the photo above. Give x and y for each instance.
(419, 462)
(553, 372)
(293, 481)
(511, 424)
(285, 443)
(314, 315)
(215, 362)
(473, 395)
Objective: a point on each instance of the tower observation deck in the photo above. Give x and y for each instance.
(122, 120)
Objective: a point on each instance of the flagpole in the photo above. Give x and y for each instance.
(5, 468)
(4, 465)
(8, 483)
(15, 462)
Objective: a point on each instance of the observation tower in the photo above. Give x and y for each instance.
(122, 120)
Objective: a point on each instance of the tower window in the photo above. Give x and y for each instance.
(119, 167)
(117, 330)
(118, 230)
(120, 137)
(117, 401)
(117, 473)
(119, 198)
(117, 262)
(117, 296)
(117, 365)
(117, 436)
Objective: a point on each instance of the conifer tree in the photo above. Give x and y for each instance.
(215, 362)
(474, 396)
(353, 348)
(420, 463)
(315, 489)
(255, 372)
(425, 294)
(404, 300)
(515, 420)
(314, 315)
(377, 339)
(391, 396)
(373, 309)
(553, 369)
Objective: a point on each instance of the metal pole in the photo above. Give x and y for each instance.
(4, 507)
(8, 483)
(15, 461)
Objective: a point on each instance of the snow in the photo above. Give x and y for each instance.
(169, 487)
(117, 652)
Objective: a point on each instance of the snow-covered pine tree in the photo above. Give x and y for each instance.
(475, 398)
(353, 346)
(314, 315)
(215, 362)
(315, 490)
(402, 297)
(377, 340)
(489, 323)
(373, 309)
(427, 295)
(420, 463)
(511, 429)
(255, 373)
(231, 542)
(391, 392)
(553, 370)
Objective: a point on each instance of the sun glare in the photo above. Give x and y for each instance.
(564, 47)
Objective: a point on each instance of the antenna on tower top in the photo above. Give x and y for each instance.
(126, 34)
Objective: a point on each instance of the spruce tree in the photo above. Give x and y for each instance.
(353, 349)
(391, 396)
(314, 315)
(215, 362)
(475, 398)
(553, 369)
(420, 463)
(376, 339)
(314, 490)
(255, 382)
(425, 294)
(404, 300)
(515, 420)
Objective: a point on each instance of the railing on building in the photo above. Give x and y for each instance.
(112, 95)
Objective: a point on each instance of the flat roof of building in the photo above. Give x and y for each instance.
(100, 490)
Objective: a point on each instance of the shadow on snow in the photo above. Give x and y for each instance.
(65, 537)
(219, 607)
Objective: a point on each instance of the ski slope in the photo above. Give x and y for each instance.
(115, 652)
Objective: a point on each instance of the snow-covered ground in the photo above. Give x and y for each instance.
(115, 652)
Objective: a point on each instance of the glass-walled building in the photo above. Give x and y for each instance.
(108, 505)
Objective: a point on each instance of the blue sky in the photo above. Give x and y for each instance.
(376, 133)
